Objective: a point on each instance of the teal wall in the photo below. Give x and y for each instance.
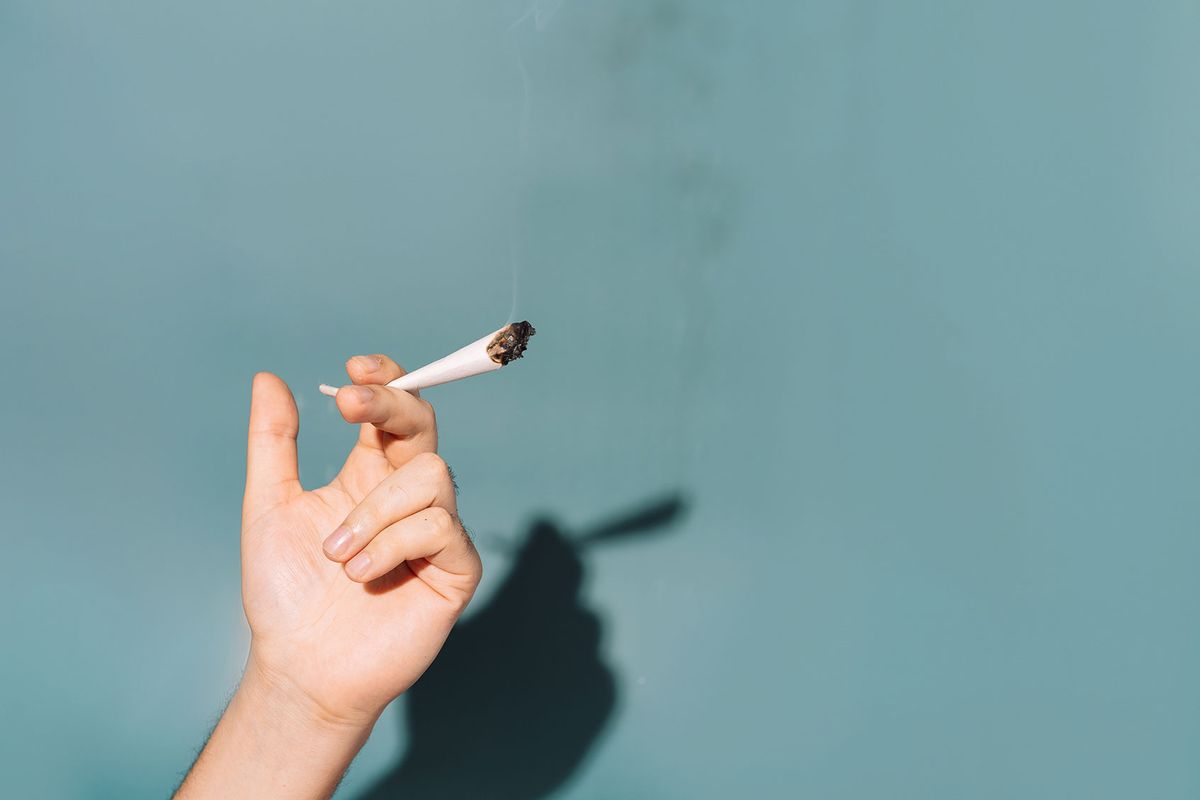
(880, 316)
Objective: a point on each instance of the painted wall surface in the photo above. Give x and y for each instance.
(857, 453)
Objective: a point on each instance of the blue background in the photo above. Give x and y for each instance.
(896, 301)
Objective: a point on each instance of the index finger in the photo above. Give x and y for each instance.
(390, 410)
(393, 411)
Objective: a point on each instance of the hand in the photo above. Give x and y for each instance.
(351, 589)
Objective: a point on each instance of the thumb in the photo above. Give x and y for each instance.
(272, 474)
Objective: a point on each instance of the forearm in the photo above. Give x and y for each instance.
(274, 742)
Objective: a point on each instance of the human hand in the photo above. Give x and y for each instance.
(340, 624)
(351, 589)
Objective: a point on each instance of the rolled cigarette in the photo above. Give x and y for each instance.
(482, 355)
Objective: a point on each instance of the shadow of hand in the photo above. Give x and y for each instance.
(519, 693)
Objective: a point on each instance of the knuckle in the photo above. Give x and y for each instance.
(398, 496)
(459, 603)
(440, 519)
(432, 466)
(276, 430)
(360, 520)
(382, 549)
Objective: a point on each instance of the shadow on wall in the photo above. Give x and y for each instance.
(519, 694)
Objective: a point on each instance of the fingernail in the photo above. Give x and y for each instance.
(357, 567)
(361, 393)
(338, 542)
(368, 363)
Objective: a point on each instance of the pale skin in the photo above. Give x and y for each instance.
(350, 590)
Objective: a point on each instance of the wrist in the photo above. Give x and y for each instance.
(274, 740)
(277, 697)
